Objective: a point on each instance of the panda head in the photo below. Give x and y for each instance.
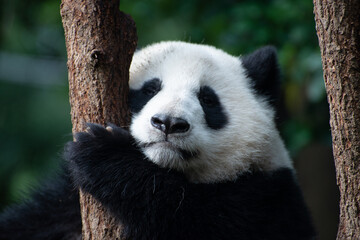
(199, 110)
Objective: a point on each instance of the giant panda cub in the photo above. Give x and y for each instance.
(203, 158)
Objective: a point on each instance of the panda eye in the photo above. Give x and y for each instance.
(208, 97)
(150, 91)
(207, 100)
(152, 87)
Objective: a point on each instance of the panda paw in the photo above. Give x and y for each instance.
(96, 154)
(98, 133)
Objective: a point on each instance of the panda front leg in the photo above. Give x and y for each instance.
(159, 203)
(151, 202)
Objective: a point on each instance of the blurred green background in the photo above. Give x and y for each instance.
(35, 113)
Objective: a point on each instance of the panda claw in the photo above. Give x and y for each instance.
(81, 137)
(95, 130)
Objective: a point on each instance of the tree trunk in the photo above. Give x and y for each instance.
(338, 29)
(100, 42)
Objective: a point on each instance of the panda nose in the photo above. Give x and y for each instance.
(169, 125)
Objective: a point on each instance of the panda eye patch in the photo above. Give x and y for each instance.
(152, 87)
(215, 115)
(208, 97)
(138, 98)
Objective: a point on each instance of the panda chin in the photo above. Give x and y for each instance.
(167, 154)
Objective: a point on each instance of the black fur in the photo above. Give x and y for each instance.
(158, 203)
(139, 98)
(52, 213)
(214, 112)
(262, 67)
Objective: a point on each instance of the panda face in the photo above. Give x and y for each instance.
(194, 110)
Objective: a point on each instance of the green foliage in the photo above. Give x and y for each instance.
(35, 119)
(34, 125)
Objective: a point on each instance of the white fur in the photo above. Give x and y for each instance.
(250, 139)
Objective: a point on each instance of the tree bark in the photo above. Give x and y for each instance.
(100, 42)
(338, 29)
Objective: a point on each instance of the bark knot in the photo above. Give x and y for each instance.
(96, 56)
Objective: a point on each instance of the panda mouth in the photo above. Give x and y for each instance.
(184, 153)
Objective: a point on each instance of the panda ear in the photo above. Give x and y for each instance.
(262, 68)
